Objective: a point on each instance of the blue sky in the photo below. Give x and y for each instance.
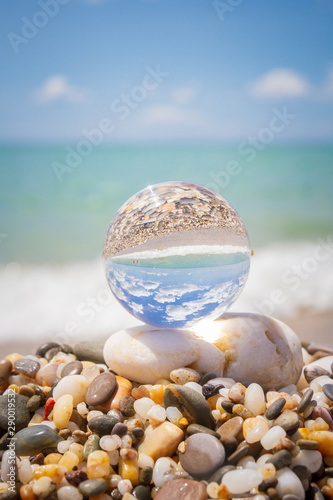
(223, 66)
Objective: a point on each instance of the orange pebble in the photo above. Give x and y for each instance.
(124, 389)
(156, 393)
(26, 492)
(14, 357)
(52, 458)
(53, 471)
(324, 440)
(140, 392)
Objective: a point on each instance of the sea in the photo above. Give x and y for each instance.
(57, 204)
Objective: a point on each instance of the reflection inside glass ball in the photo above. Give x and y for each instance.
(176, 253)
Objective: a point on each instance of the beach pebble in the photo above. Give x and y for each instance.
(76, 385)
(230, 429)
(183, 375)
(146, 354)
(98, 464)
(43, 348)
(202, 456)
(272, 437)
(27, 367)
(92, 444)
(195, 428)
(255, 399)
(101, 388)
(311, 459)
(62, 411)
(22, 415)
(282, 458)
(34, 439)
(328, 391)
(102, 425)
(69, 493)
(192, 405)
(5, 370)
(93, 487)
(258, 349)
(89, 351)
(47, 374)
(288, 420)
(241, 480)
(182, 489)
(289, 483)
(275, 409)
(161, 441)
(254, 429)
(324, 440)
(305, 400)
(163, 471)
(126, 406)
(71, 368)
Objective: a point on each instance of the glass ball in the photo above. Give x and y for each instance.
(176, 253)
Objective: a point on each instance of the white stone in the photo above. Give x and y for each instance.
(272, 437)
(312, 459)
(289, 483)
(76, 385)
(142, 407)
(258, 349)
(163, 471)
(145, 354)
(69, 493)
(241, 480)
(255, 399)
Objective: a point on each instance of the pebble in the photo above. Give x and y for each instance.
(120, 430)
(313, 371)
(258, 349)
(182, 489)
(241, 480)
(289, 483)
(145, 354)
(161, 441)
(324, 440)
(51, 353)
(74, 478)
(202, 456)
(75, 385)
(72, 368)
(231, 428)
(305, 401)
(101, 389)
(312, 459)
(142, 492)
(145, 475)
(27, 367)
(103, 424)
(196, 428)
(27, 391)
(306, 444)
(181, 376)
(62, 411)
(272, 437)
(126, 406)
(241, 452)
(34, 439)
(89, 351)
(255, 399)
(190, 403)
(328, 391)
(92, 444)
(47, 374)
(22, 415)
(98, 464)
(69, 493)
(93, 487)
(236, 393)
(282, 458)
(275, 409)
(42, 349)
(288, 420)
(5, 370)
(254, 429)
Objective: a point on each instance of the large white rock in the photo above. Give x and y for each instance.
(257, 349)
(144, 353)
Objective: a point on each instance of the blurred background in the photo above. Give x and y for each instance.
(100, 98)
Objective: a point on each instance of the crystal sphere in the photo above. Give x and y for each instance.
(176, 253)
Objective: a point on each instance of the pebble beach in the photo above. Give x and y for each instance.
(82, 431)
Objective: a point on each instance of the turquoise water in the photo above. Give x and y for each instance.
(284, 194)
(178, 291)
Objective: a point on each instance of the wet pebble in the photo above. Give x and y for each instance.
(301, 471)
(242, 451)
(22, 415)
(102, 425)
(306, 444)
(93, 487)
(195, 428)
(26, 390)
(275, 409)
(92, 444)
(305, 401)
(203, 455)
(145, 475)
(89, 351)
(72, 368)
(182, 489)
(32, 440)
(5, 370)
(120, 430)
(282, 458)
(101, 389)
(74, 478)
(209, 390)
(328, 391)
(34, 403)
(192, 405)
(141, 492)
(27, 367)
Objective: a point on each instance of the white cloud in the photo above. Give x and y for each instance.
(184, 95)
(281, 83)
(169, 114)
(56, 88)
